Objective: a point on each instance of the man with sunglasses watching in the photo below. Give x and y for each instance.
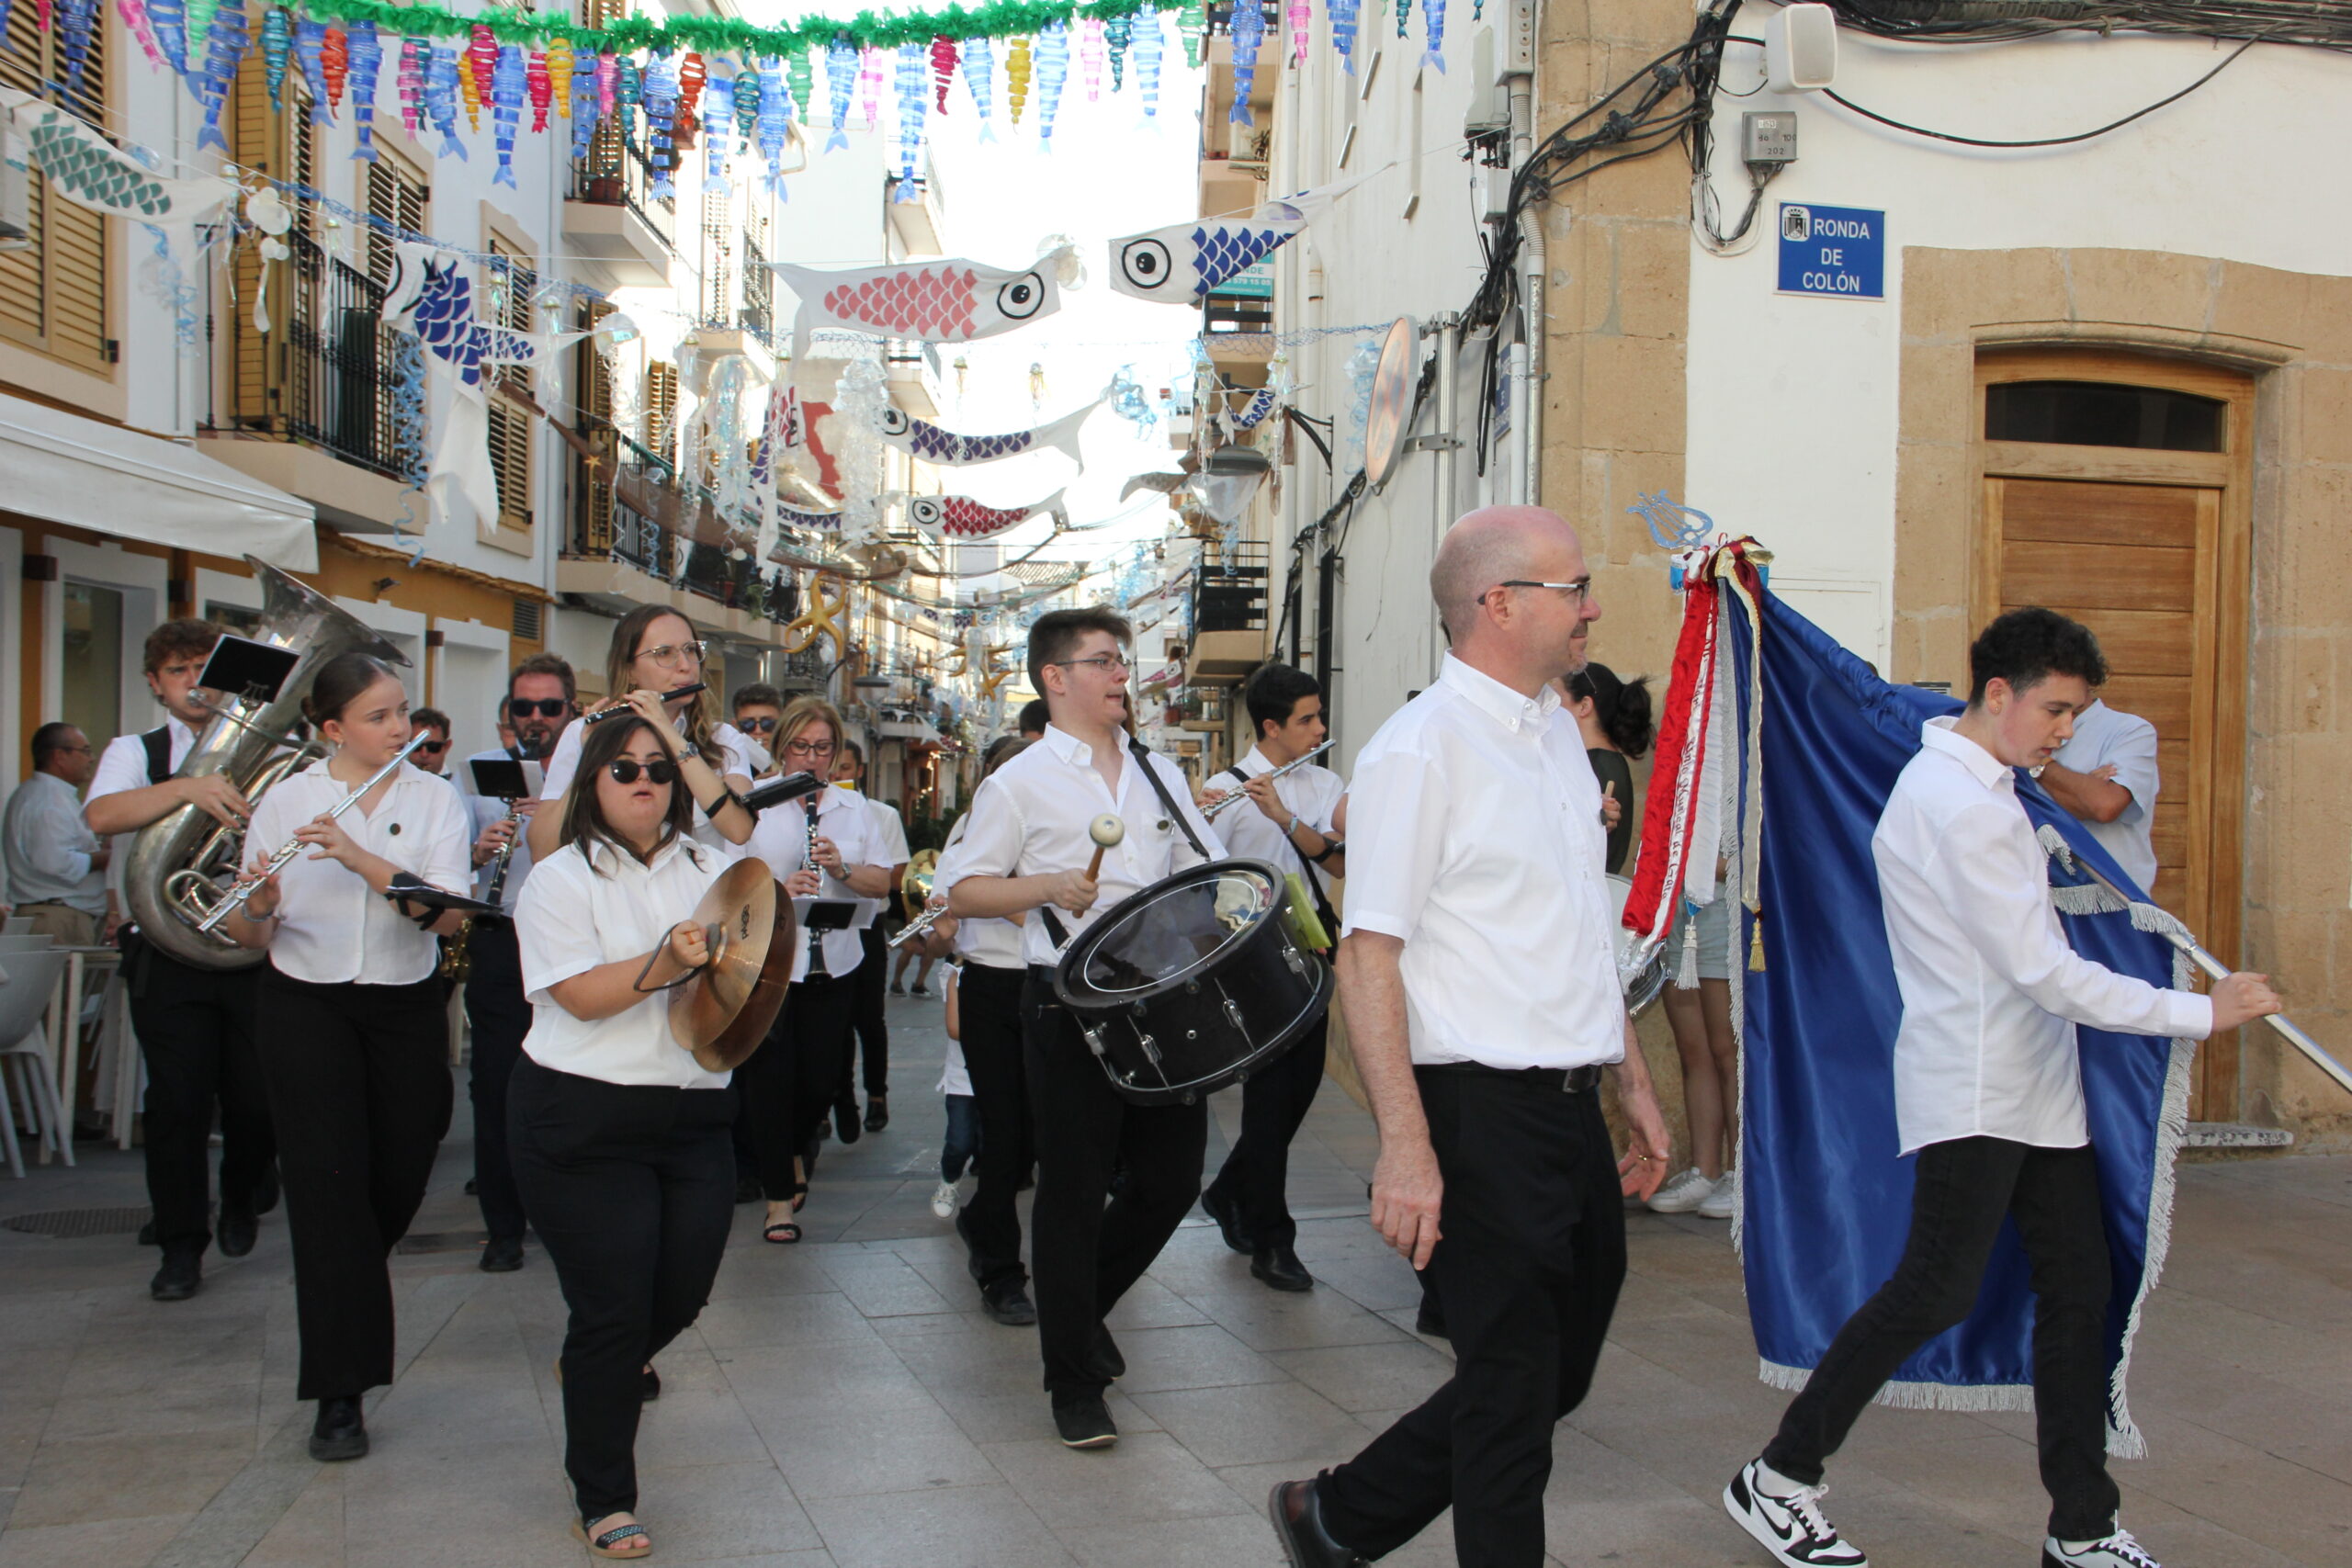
(1027, 848)
(541, 699)
(758, 708)
(433, 757)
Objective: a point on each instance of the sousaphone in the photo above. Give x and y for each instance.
(723, 1013)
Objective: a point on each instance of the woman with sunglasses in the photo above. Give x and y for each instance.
(352, 1024)
(654, 652)
(820, 846)
(619, 1137)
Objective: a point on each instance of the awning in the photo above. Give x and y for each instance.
(77, 471)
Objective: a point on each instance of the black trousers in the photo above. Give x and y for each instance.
(1960, 1192)
(631, 1188)
(1083, 1253)
(501, 1016)
(870, 983)
(787, 1086)
(197, 1033)
(988, 1011)
(1532, 1256)
(359, 1087)
(1256, 1173)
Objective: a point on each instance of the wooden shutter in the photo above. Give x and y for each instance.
(53, 292)
(510, 426)
(717, 259)
(593, 492)
(662, 411)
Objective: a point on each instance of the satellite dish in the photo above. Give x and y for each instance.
(1392, 400)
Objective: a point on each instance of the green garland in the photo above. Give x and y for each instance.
(719, 34)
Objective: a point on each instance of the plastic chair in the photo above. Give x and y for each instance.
(24, 941)
(24, 1050)
(17, 925)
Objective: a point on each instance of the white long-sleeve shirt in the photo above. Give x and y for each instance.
(1031, 816)
(1991, 991)
(1475, 837)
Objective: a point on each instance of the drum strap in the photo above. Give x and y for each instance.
(1167, 801)
(1306, 869)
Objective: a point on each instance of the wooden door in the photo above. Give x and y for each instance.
(2147, 546)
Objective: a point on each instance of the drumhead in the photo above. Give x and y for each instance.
(1174, 929)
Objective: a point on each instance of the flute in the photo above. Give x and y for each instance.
(601, 714)
(284, 857)
(1209, 812)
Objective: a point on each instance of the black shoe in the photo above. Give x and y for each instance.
(234, 1233)
(878, 1112)
(746, 1187)
(340, 1432)
(473, 1187)
(1430, 1320)
(845, 1125)
(181, 1277)
(649, 1388)
(1228, 1220)
(1297, 1508)
(147, 1233)
(1085, 1422)
(1010, 1305)
(264, 1193)
(502, 1254)
(1103, 1357)
(1280, 1268)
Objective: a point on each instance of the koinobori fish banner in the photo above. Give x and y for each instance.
(1185, 262)
(939, 301)
(961, 517)
(930, 444)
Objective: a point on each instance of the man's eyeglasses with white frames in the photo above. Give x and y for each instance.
(1577, 592)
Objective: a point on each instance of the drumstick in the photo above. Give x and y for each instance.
(1105, 831)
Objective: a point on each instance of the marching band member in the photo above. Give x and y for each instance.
(352, 1023)
(822, 846)
(1288, 823)
(1028, 849)
(1988, 1093)
(619, 1137)
(654, 652)
(1478, 973)
(868, 1020)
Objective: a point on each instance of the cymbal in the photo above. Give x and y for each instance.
(723, 1013)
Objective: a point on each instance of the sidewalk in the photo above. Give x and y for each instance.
(844, 1403)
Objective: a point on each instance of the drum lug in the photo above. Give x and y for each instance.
(1298, 962)
(1150, 1048)
(1093, 1039)
(1232, 1017)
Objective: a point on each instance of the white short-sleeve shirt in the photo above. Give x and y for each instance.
(574, 917)
(333, 927)
(2103, 736)
(1312, 793)
(123, 764)
(730, 753)
(990, 940)
(781, 839)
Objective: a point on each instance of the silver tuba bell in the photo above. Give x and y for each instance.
(181, 866)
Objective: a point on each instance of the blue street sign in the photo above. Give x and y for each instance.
(1838, 250)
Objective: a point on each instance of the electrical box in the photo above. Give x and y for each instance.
(1767, 138)
(1801, 49)
(1489, 112)
(1515, 40)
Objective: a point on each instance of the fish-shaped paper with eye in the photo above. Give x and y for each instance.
(961, 517)
(937, 301)
(1184, 263)
(928, 443)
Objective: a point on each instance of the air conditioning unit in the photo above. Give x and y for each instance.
(16, 191)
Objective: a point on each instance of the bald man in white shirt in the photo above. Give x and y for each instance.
(1989, 1094)
(1477, 970)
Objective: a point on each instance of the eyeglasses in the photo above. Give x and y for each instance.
(756, 725)
(625, 771)
(546, 707)
(809, 749)
(671, 653)
(1578, 590)
(433, 747)
(1105, 661)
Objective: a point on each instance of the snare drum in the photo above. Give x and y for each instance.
(1193, 982)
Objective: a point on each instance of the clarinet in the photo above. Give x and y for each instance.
(457, 957)
(817, 970)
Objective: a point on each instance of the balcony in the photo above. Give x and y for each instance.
(916, 224)
(1228, 609)
(611, 215)
(914, 370)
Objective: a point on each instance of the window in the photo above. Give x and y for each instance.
(717, 258)
(512, 283)
(91, 694)
(397, 195)
(53, 291)
(758, 284)
(2104, 413)
(592, 493)
(662, 411)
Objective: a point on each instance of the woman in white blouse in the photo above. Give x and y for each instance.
(352, 1024)
(619, 1137)
(654, 652)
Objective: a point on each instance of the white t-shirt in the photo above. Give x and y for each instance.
(573, 917)
(781, 839)
(123, 764)
(952, 1077)
(334, 927)
(730, 753)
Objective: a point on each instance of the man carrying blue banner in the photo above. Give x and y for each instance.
(1988, 1093)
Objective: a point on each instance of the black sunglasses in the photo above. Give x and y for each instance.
(546, 707)
(625, 771)
(756, 725)
(434, 747)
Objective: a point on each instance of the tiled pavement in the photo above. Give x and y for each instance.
(842, 1403)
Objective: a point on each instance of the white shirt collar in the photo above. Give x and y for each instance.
(1254, 764)
(1068, 747)
(612, 858)
(1507, 707)
(1941, 734)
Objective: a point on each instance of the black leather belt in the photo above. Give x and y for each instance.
(1565, 1080)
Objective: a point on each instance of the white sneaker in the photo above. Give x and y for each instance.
(1682, 1194)
(1719, 1203)
(942, 1200)
(1790, 1525)
(2117, 1551)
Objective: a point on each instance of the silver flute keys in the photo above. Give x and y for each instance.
(1209, 812)
(284, 857)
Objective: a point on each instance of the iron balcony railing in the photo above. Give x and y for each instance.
(342, 365)
(616, 173)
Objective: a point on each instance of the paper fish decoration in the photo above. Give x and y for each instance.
(914, 101)
(841, 82)
(1248, 36)
(1053, 69)
(583, 111)
(539, 82)
(1434, 27)
(628, 92)
(776, 121)
(1090, 57)
(608, 85)
(434, 300)
(225, 45)
(718, 133)
(1192, 21)
(1119, 32)
(1150, 41)
(943, 66)
(960, 517)
(309, 38)
(930, 444)
(366, 66)
(800, 70)
(409, 81)
(559, 67)
(661, 90)
(692, 79)
(1302, 18)
(980, 80)
(749, 86)
(1343, 29)
(1184, 262)
(200, 13)
(506, 108)
(1016, 78)
(335, 64)
(441, 78)
(277, 43)
(168, 20)
(937, 301)
(481, 64)
(869, 86)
